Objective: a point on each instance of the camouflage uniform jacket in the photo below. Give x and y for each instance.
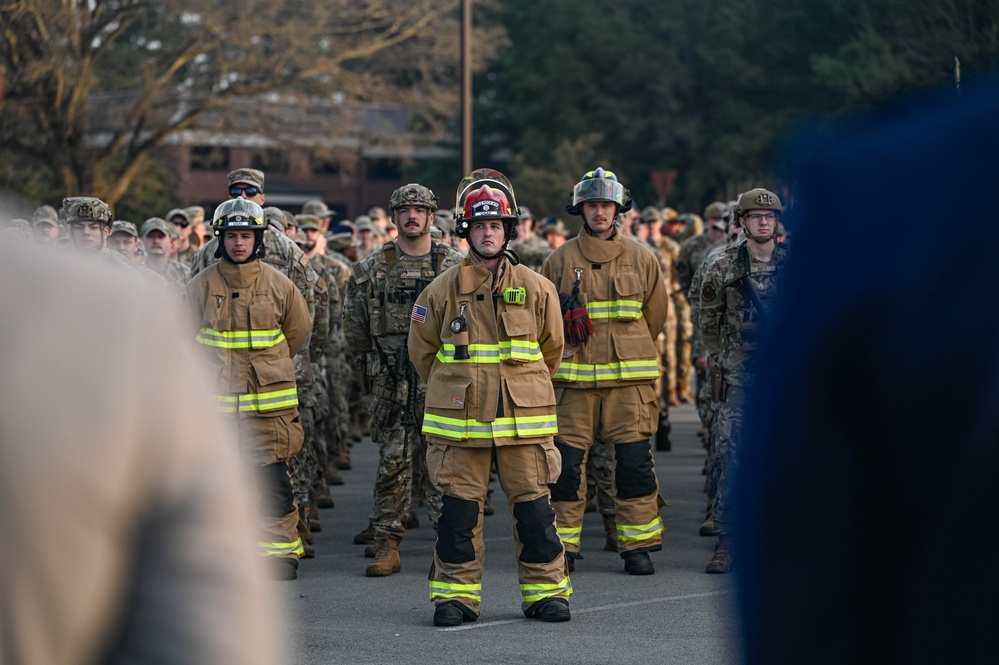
(735, 289)
(378, 302)
(625, 296)
(532, 253)
(671, 248)
(692, 252)
(175, 274)
(694, 296)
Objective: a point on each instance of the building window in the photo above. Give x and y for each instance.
(324, 166)
(209, 158)
(384, 169)
(271, 161)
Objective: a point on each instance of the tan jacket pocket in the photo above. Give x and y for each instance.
(447, 394)
(274, 370)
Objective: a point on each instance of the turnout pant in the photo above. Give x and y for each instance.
(524, 474)
(624, 418)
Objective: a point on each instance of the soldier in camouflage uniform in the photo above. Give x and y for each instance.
(684, 327)
(89, 222)
(290, 260)
(738, 288)
(378, 304)
(692, 253)
(726, 233)
(531, 249)
(158, 237)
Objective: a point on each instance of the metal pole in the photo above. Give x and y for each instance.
(466, 86)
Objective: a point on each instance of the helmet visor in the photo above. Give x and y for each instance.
(598, 189)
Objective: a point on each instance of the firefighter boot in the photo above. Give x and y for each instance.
(721, 561)
(453, 613)
(638, 563)
(549, 609)
(386, 559)
(610, 533)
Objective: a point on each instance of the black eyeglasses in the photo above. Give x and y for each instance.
(249, 190)
(182, 223)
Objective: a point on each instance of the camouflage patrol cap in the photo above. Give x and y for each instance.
(650, 214)
(364, 224)
(525, 213)
(161, 225)
(317, 208)
(86, 209)
(436, 234)
(669, 215)
(340, 240)
(121, 226)
(247, 177)
(177, 212)
(196, 214)
(445, 221)
(758, 199)
(715, 210)
(45, 214)
(276, 217)
(308, 222)
(17, 229)
(377, 212)
(413, 194)
(692, 223)
(556, 227)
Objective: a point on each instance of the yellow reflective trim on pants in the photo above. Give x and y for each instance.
(569, 534)
(490, 354)
(621, 370)
(440, 589)
(535, 592)
(240, 339)
(614, 309)
(458, 429)
(626, 532)
(277, 399)
(282, 549)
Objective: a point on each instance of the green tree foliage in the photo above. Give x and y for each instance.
(707, 87)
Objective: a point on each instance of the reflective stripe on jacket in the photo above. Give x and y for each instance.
(626, 298)
(252, 321)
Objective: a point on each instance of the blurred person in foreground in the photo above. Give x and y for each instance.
(883, 456)
(122, 557)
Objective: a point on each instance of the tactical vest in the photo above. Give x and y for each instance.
(396, 283)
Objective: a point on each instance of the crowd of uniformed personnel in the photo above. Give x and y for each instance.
(470, 345)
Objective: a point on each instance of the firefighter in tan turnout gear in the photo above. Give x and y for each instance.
(486, 336)
(253, 320)
(614, 303)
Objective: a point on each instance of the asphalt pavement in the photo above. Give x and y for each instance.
(679, 615)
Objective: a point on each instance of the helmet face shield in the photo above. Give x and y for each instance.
(594, 189)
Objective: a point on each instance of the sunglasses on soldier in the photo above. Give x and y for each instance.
(181, 222)
(250, 190)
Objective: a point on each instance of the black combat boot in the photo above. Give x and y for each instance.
(638, 563)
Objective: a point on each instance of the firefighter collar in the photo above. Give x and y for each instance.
(472, 274)
(600, 251)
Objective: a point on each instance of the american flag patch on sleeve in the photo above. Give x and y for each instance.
(419, 314)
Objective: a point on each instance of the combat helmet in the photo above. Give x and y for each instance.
(758, 199)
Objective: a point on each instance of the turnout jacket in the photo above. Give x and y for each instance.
(253, 319)
(627, 301)
(503, 393)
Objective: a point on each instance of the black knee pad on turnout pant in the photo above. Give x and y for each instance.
(536, 530)
(454, 530)
(566, 488)
(633, 471)
(274, 485)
